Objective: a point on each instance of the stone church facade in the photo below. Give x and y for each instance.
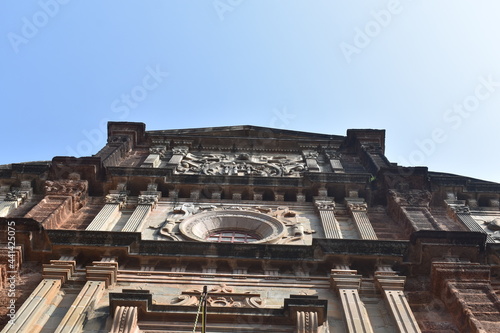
(287, 231)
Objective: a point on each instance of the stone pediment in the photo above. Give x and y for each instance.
(246, 131)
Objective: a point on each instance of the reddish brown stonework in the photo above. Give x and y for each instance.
(290, 232)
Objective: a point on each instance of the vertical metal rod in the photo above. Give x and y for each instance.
(204, 317)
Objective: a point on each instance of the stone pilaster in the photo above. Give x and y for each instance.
(460, 212)
(109, 213)
(347, 283)
(307, 322)
(146, 203)
(392, 287)
(357, 208)
(27, 318)
(100, 275)
(331, 227)
(125, 320)
(74, 319)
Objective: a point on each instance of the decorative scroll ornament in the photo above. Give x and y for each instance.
(15, 195)
(147, 199)
(357, 206)
(159, 150)
(66, 187)
(460, 209)
(76, 189)
(242, 164)
(326, 205)
(221, 296)
(117, 198)
(419, 198)
(181, 150)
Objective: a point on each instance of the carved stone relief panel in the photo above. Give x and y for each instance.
(242, 164)
(221, 296)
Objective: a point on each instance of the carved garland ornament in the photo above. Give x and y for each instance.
(241, 165)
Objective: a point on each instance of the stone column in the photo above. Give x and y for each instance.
(308, 313)
(109, 213)
(28, 316)
(392, 287)
(357, 208)
(459, 211)
(331, 226)
(347, 283)
(146, 203)
(307, 322)
(100, 275)
(125, 320)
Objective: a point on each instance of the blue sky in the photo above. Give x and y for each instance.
(426, 71)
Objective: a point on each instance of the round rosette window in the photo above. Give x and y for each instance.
(232, 226)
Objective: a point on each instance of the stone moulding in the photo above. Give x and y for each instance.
(265, 227)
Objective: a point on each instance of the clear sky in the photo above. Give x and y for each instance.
(426, 71)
